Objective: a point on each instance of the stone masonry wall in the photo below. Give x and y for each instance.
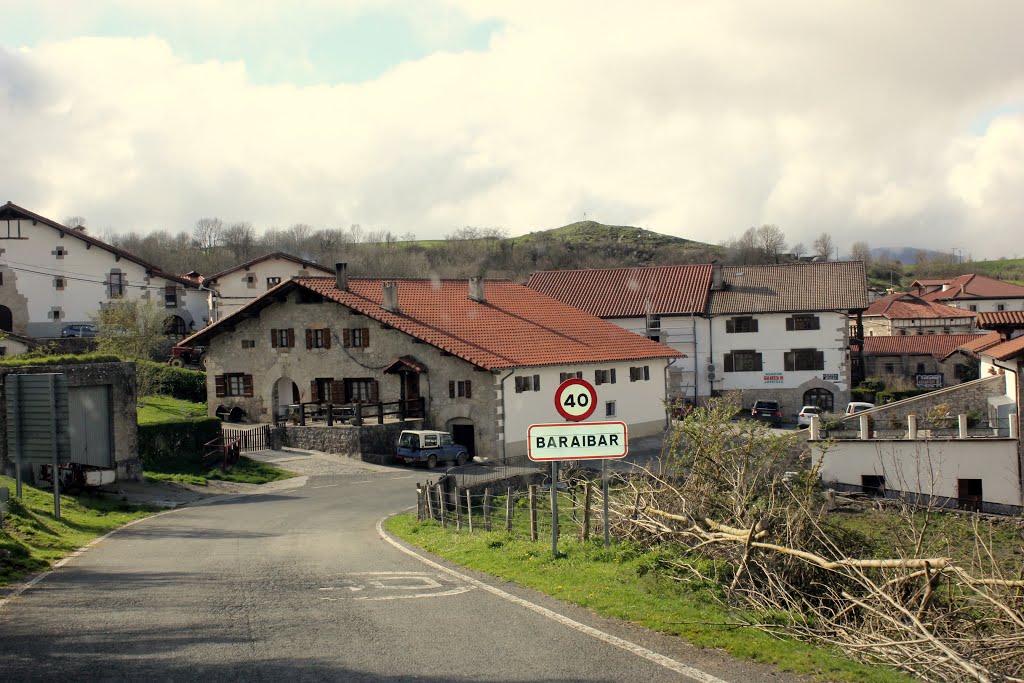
(369, 443)
(961, 399)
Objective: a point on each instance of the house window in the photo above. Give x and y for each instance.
(318, 339)
(248, 343)
(741, 324)
(59, 283)
(604, 376)
(742, 361)
(250, 280)
(460, 389)
(282, 338)
(803, 322)
(562, 376)
(822, 398)
(357, 337)
(233, 384)
(170, 296)
(60, 252)
(969, 494)
(116, 284)
(322, 389)
(890, 368)
(973, 307)
(174, 326)
(609, 408)
(272, 281)
(920, 367)
(361, 390)
(804, 359)
(640, 374)
(527, 383)
(56, 313)
(654, 322)
(999, 307)
(3, 350)
(873, 485)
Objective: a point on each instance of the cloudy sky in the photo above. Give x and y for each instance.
(897, 123)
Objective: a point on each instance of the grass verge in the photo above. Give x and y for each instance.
(32, 539)
(157, 409)
(626, 583)
(245, 471)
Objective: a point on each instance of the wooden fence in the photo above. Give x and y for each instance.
(256, 438)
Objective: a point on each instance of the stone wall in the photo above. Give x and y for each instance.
(369, 443)
(120, 377)
(961, 399)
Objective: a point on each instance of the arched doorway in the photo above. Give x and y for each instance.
(174, 326)
(464, 433)
(284, 393)
(6, 319)
(822, 398)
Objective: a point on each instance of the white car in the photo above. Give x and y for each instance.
(803, 418)
(858, 407)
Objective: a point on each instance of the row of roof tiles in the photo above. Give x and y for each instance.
(903, 306)
(967, 287)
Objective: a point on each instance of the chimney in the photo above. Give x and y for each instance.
(389, 297)
(476, 289)
(341, 276)
(717, 279)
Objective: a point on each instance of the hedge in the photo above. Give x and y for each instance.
(891, 395)
(187, 385)
(65, 359)
(865, 395)
(176, 446)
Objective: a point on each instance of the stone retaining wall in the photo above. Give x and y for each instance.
(369, 443)
(961, 399)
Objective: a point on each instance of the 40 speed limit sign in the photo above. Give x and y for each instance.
(575, 399)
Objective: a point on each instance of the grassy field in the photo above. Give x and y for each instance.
(32, 538)
(156, 409)
(626, 583)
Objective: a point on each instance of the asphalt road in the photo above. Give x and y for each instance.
(298, 584)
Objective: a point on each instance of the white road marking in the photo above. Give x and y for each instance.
(388, 582)
(640, 651)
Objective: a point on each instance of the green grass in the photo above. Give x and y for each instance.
(245, 471)
(157, 409)
(626, 583)
(32, 539)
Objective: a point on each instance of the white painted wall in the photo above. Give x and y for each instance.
(772, 340)
(988, 305)
(929, 467)
(235, 289)
(12, 347)
(31, 268)
(684, 333)
(639, 404)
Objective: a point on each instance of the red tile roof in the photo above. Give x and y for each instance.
(1001, 319)
(629, 292)
(974, 286)
(938, 345)
(1007, 349)
(903, 306)
(983, 342)
(516, 326)
(791, 288)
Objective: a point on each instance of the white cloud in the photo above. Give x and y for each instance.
(694, 119)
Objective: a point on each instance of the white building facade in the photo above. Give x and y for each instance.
(233, 288)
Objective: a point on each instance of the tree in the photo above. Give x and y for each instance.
(208, 234)
(772, 242)
(798, 250)
(240, 238)
(132, 329)
(823, 246)
(74, 221)
(860, 251)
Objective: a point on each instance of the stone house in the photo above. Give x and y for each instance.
(905, 314)
(52, 275)
(233, 288)
(766, 331)
(927, 361)
(485, 357)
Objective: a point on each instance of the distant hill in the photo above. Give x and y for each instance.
(905, 255)
(591, 231)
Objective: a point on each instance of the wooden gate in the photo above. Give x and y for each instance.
(254, 438)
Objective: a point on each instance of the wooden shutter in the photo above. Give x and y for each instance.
(730, 325)
(611, 379)
(536, 382)
(469, 388)
(727, 363)
(789, 361)
(789, 324)
(273, 338)
(309, 338)
(366, 336)
(757, 362)
(337, 391)
(819, 360)
(346, 338)
(451, 389)
(246, 385)
(291, 338)
(312, 391)
(327, 338)
(218, 385)
(374, 392)
(815, 323)
(519, 385)
(647, 373)
(597, 376)
(753, 324)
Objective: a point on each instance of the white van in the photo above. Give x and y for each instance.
(858, 407)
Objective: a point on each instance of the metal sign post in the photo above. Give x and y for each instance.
(54, 448)
(554, 508)
(604, 497)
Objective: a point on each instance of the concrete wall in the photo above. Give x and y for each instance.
(931, 468)
(880, 326)
(34, 297)
(234, 289)
(120, 377)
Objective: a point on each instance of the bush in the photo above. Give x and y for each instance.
(871, 384)
(865, 395)
(158, 378)
(176, 446)
(891, 395)
(26, 359)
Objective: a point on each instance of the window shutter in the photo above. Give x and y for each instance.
(519, 385)
(536, 382)
(273, 338)
(789, 324)
(789, 363)
(730, 325)
(611, 379)
(597, 376)
(727, 363)
(632, 374)
(647, 373)
(469, 388)
(247, 385)
(366, 336)
(218, 385)
(819, 360)
(309, 338)
(753, 324)
(312, 391)
(327, 338)
(816, 324)
(451, 388)
(374, 394)
(757, 362)
(346, 338)
(337, 391)
(291, 338)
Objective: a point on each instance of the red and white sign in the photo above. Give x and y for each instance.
(583, 441)
(575, 399)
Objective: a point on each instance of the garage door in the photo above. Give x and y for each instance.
(90, 427)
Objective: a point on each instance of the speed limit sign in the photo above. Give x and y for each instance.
(575, 399)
